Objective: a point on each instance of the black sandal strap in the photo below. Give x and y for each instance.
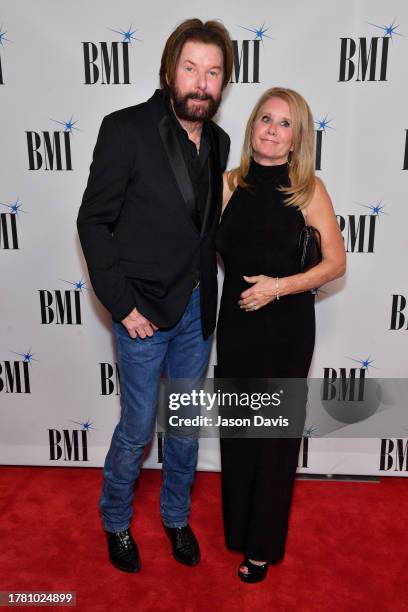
(253, 568)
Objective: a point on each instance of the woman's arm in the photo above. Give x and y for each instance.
(321, 215)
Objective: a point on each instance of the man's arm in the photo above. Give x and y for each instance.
(101, 206)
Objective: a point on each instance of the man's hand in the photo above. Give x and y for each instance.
(138, 326)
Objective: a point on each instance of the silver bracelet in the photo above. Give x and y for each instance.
(277, 287)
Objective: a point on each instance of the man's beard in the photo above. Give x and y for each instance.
(198, 113)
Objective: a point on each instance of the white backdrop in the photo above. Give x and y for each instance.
(348, 59)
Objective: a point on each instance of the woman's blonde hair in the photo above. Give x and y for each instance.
(301, 168)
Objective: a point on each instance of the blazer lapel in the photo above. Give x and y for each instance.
(214, 177)
(208, 205)
(177, 164)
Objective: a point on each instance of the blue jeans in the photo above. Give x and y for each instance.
(180, 352)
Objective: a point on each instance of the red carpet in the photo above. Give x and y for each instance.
(347, 548)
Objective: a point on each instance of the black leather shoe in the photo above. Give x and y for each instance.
(184, 543)
(123, 551)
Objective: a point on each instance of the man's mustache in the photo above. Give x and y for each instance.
(197, 96)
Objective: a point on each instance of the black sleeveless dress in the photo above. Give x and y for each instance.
(258, 234)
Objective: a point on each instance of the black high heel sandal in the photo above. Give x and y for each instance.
(256, 573)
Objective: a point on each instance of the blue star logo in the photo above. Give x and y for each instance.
(15, 207)
(376, 209)
(28, 356)
(389, 30)
(68, 125)
(260, 33)
(85, 426)
(3, 36)
(308, 432)
(127, 34)
(364, 363)
(79, 285)
(322, 124)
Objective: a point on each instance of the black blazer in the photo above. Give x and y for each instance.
(140, 243)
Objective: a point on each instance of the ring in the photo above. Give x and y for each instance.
(253, 306)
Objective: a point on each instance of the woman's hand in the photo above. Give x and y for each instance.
(261, 293)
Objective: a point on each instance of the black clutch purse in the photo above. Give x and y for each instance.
(310, 251)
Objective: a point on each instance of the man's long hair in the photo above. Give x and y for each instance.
(210, 32)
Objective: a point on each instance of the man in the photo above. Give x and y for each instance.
(147, 223)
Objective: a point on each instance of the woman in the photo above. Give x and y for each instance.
(266, 325)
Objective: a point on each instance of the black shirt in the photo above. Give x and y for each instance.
(197, 163)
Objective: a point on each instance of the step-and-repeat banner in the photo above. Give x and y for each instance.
(63, 66)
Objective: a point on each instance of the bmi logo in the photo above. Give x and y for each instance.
(322, 125)
(394, 455)
(405, 166)
(8, 225)
(110, 379)
(15, 375)
(246, 56)
(398, 316)
(51, 150)
(2, 40)
(107, 63)
(366, 58)
(62, 307)
(70, 444)
(359, 230)
(346, 385)
(303, 460)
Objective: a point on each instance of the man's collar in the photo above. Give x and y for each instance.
(172, 114)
